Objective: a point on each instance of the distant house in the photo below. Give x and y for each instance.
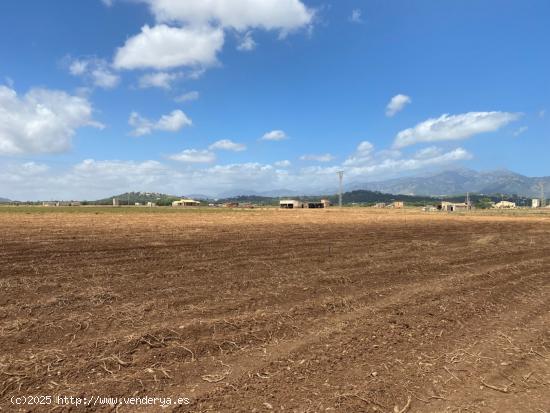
(324, 203)
(291, 204)
(398, 205)
(186, 203)
(453, 206)
(535, 203)
(379, 205)
(505, 205)
(151, 204)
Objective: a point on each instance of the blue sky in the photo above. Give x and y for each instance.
(215, 96)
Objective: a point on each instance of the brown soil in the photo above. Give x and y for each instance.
(294, 311)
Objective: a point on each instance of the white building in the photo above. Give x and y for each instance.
(535, 203)
(186, 203)
(453, 206)
(505, 205)
(291, 204)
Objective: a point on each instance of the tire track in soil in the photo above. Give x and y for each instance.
(415, 291)
(256, 391)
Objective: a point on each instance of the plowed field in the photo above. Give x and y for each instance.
(294, 311)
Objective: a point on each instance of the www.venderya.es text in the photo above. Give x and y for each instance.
(99, 400)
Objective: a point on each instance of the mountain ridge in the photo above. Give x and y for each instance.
(460, 181)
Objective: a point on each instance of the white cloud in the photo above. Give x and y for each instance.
(286, 15)
(191, 33)
(33, 168)
(387, 167)
(326, 157)
(362, 154)
(274, 135)
(93, 179)
(520, 131)
(41, 121)
(96, 71)
(396, 104)
(429, 152)
(107, 3)
(282, 164)
(542, 113)
(194, 156)
(173, 122)
(247, 43)
(454, 127)
(227, 145)
(162, 80)
(356, 16)
(188, 97)
(164, 47)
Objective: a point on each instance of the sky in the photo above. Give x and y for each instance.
(216, 97)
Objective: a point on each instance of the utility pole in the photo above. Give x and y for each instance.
(340, 187)
(468, 201)
(542, 200)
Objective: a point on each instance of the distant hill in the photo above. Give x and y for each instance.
(459, 182)
(352, 197)
(130, 198)
(367, 198)
(4, 200)
(264, 194)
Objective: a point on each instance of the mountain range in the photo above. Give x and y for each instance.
(444, 184)
(460, 181)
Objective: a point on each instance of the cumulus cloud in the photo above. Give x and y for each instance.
(362, 154)
(286, 15)
(162, 80)
(87, 180)
(396, 104)
(187, 97)
(454, 127)
(41, 121)
(247, 43)
(164, 47)
(96, 71)
(381, 166)
(227, 145)
(282, 164)
(356, 16)
(173, 122)
(194, 156)
(326, 157)
(191, 33)
(429, 152)
(274, 135)
(93, 179)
